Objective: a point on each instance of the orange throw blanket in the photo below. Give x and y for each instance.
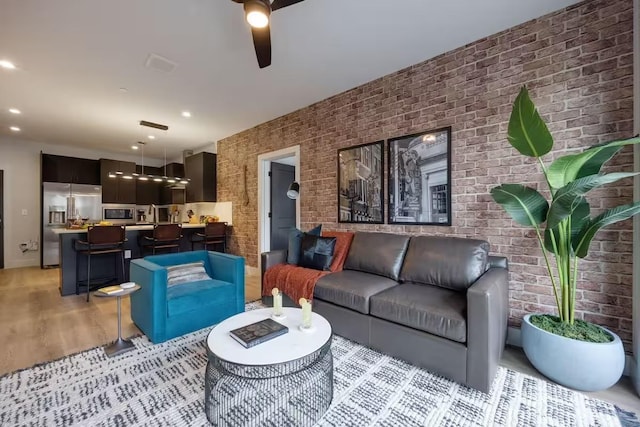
(298, 282)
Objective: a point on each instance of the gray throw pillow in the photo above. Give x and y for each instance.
(295, 242)
(184, 273)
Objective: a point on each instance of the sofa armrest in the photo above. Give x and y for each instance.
(269, 259)
(229, 268)
(149, 304)
(487, 318)
(497, 261)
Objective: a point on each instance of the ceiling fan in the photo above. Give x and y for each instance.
(258, 13)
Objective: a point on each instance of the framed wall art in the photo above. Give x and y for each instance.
(420, 178)
(360, 190)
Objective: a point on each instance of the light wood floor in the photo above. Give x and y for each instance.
(38, 325)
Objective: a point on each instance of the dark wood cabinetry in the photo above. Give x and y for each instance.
(117, 190)
(201, 170)
(148, 192)
(72, 170)
(171, 196)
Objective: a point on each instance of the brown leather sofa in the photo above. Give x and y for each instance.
(437, 302)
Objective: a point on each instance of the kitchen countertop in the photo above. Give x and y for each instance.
(128, 227)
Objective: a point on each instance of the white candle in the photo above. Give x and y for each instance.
(306, 315)
(277, 304)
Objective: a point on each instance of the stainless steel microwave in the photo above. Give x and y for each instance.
(119, 214)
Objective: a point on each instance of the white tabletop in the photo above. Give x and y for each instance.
(285, 348)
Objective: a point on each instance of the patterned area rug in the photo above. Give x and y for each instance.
(163, 385)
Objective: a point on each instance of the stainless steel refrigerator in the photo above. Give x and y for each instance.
(62, 203)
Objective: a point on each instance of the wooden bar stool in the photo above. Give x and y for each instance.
(165, 236)
(215, 233)
(101, 240)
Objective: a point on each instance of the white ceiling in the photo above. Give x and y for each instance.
(73, 56)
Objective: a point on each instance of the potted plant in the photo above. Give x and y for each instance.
(570, 351)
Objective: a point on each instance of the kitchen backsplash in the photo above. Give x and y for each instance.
(223, 210)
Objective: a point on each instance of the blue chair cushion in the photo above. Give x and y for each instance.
(194, 296)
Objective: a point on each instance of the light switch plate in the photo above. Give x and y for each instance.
(25, 212)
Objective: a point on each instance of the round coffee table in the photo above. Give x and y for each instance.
(287, 380)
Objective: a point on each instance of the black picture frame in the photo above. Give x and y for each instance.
(419, 178)
(360, 184)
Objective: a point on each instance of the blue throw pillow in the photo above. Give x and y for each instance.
(317, 252)
(295, 243)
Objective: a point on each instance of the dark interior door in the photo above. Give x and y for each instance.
(283, 209)
(1, 219)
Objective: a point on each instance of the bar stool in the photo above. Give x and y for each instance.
(101, 240)
(215, 233)
(165, 236)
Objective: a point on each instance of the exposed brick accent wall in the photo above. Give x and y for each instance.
(577, 64)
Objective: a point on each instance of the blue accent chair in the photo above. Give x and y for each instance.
(163, 312)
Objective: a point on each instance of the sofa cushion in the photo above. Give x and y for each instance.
(184, 273)
(377, 253)
(351, 289)
(449, 262)
(431, 309)
(295, 242)
(194, 296)
(316, 252)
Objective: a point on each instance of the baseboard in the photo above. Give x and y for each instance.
(22, 263)
(514, 338)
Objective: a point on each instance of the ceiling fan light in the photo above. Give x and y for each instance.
(257, 13)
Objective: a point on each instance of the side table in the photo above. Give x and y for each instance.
(120, 345)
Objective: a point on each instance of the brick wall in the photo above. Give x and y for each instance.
(577, 64)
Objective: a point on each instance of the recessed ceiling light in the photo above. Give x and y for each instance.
(134, 147)
(15, 128)
(14, 111)
(7, 64)
(186, 114)
(152, 137)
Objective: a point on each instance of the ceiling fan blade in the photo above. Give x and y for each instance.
(262, 44)
(279, 4)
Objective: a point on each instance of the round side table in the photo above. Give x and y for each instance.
(287, 380)
(120, 345)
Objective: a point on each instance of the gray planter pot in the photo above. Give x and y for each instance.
(572, 363)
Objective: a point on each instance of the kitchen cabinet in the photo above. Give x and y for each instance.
(175, 170)
(117, 190)
(171, 196)
(201, 170)
(72, 170)
(148, 192)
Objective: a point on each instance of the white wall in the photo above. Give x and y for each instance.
(20, 161)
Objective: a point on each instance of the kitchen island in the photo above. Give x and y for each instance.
(105, 265)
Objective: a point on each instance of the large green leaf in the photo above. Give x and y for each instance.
(525, 205)
(579, 217)
(582, 241)
(573, 166)
(527, 131)
(565, 200)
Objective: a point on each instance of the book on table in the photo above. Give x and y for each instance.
(110, 290)
(258, 332)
